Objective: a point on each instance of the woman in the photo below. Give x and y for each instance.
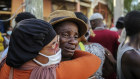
(29, 49)
(38, 56)
(93, 48)
(128, 64)
(70, 28)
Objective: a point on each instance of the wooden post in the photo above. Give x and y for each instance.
(35, 7)
(78, 6)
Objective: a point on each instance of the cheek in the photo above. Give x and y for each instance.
(63, 42)
(77, 42)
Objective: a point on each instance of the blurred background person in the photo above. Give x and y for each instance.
(94, 48)
(108, 39)
(21, 16)
(6, 42)
(120, 25)
(128, 56)
(7, 37)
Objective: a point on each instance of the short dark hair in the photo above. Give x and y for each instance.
(81, 16)
(120, 23)
(132, 23)
(24, 15)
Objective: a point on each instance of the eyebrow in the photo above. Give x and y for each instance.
(68, 31)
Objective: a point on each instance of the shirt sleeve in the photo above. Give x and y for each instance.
(82, 66)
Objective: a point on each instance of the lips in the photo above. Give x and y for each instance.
(70, 49)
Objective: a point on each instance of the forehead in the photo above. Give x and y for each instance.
(67, 26)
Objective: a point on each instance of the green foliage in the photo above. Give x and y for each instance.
(136, 7)
(127, 5)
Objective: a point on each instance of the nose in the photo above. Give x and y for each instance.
(73, 41)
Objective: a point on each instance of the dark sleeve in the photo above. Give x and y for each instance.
(131, 64)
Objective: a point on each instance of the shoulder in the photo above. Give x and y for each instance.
(96, 46)
(111, 32)
(131, 58)
(96, 49)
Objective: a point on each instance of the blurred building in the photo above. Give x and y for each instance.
(88, 7)
(101, 6)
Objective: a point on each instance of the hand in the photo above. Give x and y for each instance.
(109, 55)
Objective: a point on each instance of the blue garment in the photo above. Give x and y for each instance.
(1, 27)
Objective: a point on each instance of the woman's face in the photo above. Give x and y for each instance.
(52, 47)
(68, 32)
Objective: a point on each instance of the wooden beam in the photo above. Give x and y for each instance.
(5, 12)
(85, 4)
(70, 0)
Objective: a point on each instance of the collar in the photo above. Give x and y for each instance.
(99, 28)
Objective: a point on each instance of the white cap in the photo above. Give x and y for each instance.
(96, 16)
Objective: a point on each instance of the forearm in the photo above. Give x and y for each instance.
(83, 63)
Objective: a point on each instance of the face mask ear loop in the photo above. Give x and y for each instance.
(54, 59)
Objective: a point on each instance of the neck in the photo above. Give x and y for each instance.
(100, 28)
(133, 41)
(28, 65)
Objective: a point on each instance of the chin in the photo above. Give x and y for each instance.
(68, 55)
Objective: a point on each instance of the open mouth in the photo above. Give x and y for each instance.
(70, 49)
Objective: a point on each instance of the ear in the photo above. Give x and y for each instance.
(53, 46)
(92, 22)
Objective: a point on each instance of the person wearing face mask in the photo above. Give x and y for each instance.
(7, 37)
(21, 16)
(39, 56)
(6, 42)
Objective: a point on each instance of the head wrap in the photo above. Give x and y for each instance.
(27, 39)
(24, 15)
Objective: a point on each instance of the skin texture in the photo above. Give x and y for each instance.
(131, 65)
(130, 60)
(49, 50)
(96, 23)
(68, 32)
